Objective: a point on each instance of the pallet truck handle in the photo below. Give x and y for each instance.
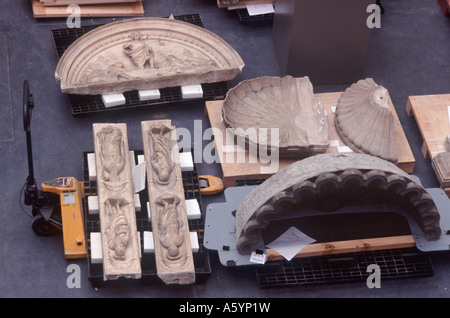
(28, 105)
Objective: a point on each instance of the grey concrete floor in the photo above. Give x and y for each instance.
(409, 55)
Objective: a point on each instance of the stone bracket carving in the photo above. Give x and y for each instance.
(173, 254)
(328, 182)
(280, 115)
(120, 242)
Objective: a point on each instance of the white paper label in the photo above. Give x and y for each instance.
(258, 258)
(68, 198)
(257, 9)
(291, 242)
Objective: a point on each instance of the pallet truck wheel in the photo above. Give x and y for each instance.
(41, 227)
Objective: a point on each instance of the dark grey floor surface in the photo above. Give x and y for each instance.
(409, 55)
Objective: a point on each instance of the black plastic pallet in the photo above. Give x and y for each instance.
(340, 268)
(148, 265)
(88, 104)
(260, 19)
(345, 268)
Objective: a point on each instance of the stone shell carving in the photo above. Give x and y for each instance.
(365, 122)
(328, 182)
(254, 107)
(145, 53)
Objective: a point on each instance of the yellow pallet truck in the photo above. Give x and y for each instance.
(58, 205)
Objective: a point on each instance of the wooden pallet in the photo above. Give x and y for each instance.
(130, 9)
(253, 168)
(350, 246)
(432, 117)
(81, 2)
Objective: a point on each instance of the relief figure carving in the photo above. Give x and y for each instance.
(138, 51)
(112, 154)
(170, 225)
(161, 160)
(117, 232)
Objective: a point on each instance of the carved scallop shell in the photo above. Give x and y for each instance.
(257, 109)
(364, 120)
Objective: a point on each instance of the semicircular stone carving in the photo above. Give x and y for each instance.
(255, 107)
(364, 120)
(145, 53)
(327, 182)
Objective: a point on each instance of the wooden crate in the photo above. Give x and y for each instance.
(432, 117)
(253, 168)
(126, 9)
(244, 3)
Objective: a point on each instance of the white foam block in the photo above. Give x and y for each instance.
(137, 202)
(186, 161)
(191, 91)
(96, 248)
(149, 246)
(93, 204)
(138, 173)
(149, 94)
(193, 209)
(334, 143)
(344, 149)
(91, 166)
(194, 241)
(132, 160)
(138, 236)
(149, 215)
(113, 100)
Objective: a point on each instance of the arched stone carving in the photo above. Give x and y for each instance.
(145, 53)
(328, 182)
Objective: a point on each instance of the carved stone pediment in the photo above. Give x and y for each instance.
(145, 53)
